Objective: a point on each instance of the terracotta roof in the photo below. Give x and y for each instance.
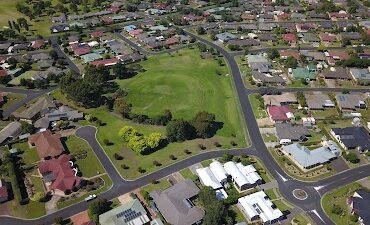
(105, 62)
(97, 34)
(47, 144)
(293, 53)
(38, 44)
(82, 50)
(325, 37)
(63, 176)
(279, 113)
(3, 73)
(338, 54)
(291, 38)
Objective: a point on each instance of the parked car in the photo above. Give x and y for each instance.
(90, 197)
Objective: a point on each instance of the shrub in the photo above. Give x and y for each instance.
(336, 209)
(233, 143)
(202, 147)
(351, 157)
(172, 157)
(118, 156)
(217, 144)
(125, 167)
(154, 181)
(186, 151)
(107, 142)
(156, 163)
(140, 170)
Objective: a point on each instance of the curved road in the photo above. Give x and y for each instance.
(312, 204)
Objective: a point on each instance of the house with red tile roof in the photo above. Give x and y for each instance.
(304, 27)
(97, 34)
(82, 50)
(105, 62)
(284, 54)
(333, 56)
(282, 16)
(341, 15)
(3, 73)
(171, 41)
(135, 33)
(114, 9)
(280, 113)
(59, 174)
(327, 37)
(37, 44)
(47, 144)
(290, 38)
(4, 195)
(248, 17)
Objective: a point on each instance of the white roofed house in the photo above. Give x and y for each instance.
(258, 206)
(208, 178)
(243, 177)
(219, 171)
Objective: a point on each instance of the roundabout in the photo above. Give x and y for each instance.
(300, 194)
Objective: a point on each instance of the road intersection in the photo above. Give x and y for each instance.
(287, 185)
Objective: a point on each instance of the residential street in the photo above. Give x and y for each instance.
(315, 190)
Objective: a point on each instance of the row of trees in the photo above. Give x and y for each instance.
(137, 141)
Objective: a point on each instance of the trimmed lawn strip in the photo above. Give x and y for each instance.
(282, 205)
(107, 185)
(187, 174)
(258, 111)
(206, 163)
(29, 211)
(161, 185)
(301, 219)
(271, 193)
(75, 145)
(339, 197)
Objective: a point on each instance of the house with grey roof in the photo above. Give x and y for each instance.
(307, 159)
(36, 109)
(62, 113)
(225, 37)
(130, 213)
(352, 137)
(10, 131)
(175, 203)
(292, 132)
(318, 101)
(351, 101)
(360, 74)
(267, 78)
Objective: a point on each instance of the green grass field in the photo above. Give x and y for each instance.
(12, 98)
(76, 145)
(211, 92)
(26, 75)
(339, 197)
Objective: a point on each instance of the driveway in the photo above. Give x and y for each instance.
(339, 165)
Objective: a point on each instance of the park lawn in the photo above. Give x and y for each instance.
(107, 186)
(161, 185)
(170, 85)
(75, 145)
(258, 111)
(25, 75)
(187, 174)
(12, 98)
(29, 155)
(339, 197)
(30, 211)
(185, 84)
(301, 219)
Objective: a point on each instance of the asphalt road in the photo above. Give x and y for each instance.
(315, 190)
(61, 54)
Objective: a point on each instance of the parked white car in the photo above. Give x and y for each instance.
(90, 197)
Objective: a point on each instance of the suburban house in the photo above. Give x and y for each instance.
(336, 73)
(243, 177)
(290, 38)
(267, 78)
(225, 37)
(59, 174)
(285, 98)
(47, 144)
(359, 204)
(302, 73)
(35, 110)
(360, 74)
(130, 213)
(10, 131)
(207, 178)
(4, 195)
(280, 113)
(318, 101)
(352, 137)
(284, 54)
(305, 158)
(292, 132)
(327, 38)
(175, 204)
(62, 113)
(336, 55)
(351, 101)
(258, 206)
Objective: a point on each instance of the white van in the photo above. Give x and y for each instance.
(285, 141)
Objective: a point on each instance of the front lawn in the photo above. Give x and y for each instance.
(256, 105)
(85, 157)
(339, 197)
(183, 83)
(29, 155)
(159, 185)
(12, 98)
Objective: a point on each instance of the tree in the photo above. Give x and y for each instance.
(336, 209)
(120, 71)
(180, 130)
(291, 62)
(27, 128)
(214, 208)
(122, 107)
(97, 208)
(201, 30)
(127, 132)
(204, 124)
(53, 54)
(351, 157)
(273, 53)
(153, 140)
